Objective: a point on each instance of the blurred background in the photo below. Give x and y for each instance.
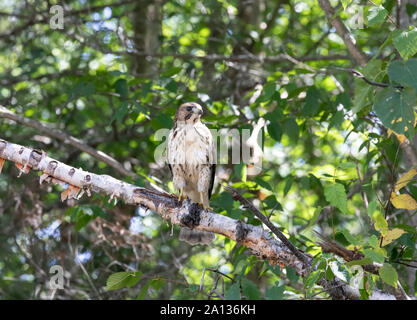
(114, 72)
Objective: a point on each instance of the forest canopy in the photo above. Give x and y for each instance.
(322, 93)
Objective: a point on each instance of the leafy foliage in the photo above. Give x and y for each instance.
(114, 76)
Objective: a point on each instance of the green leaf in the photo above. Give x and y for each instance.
(268, 91)
(359, 262)
(241, 171)
(315, 217)
(291, 274)
(291, 129)
(223, 201)
(405, 42)
(82, 221)
(120, 280)
(233, 293)
(376, 15)
(275, 293)
(372, 207)
(388, 274)
(172, 86)
(363, 91)
(272, 202)
(374, 255)
(373, 241)
(249, 289)
(312, 103)
(312, 278)
(337, 119)
(121, 88)
(133, 279)
(395, 109)
(363, 294)
(288, 185)
(171, 71)
(336, 195)
(347, 165)
(193, 288)
(121, 111)
(404, 73)
(144, 291)
(350, 238)
(82, 89)
(275, 131)
(146, 88)
(157, 283)
(263, 183)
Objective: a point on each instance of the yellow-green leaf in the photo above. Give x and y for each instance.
(336, 195)
(381, 225)
(120, 280)
(403, 201)
(405, 179)
(391, 235)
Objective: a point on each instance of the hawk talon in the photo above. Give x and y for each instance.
(182, 197)
(202, 203)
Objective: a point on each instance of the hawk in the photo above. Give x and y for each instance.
(191, 157)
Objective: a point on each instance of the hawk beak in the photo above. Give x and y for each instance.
(198, 110)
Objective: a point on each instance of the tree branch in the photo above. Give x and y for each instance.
(360, 57)
(60, 135)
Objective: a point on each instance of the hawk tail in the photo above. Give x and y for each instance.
(194, 237)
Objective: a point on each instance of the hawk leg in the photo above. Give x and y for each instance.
(182, 196)
(202, 202)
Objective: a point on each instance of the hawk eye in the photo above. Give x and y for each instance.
(189, 108)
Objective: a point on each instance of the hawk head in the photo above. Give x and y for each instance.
(189, 113)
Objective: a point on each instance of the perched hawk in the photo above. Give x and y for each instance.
(191, 158)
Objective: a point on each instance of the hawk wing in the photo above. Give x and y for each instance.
(212, 176)
(209, 150)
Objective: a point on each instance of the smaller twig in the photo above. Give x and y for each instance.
(219, 272)
(269, 224)
(360, 75)
(405, 264)
(87, 275)
(202, 279)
